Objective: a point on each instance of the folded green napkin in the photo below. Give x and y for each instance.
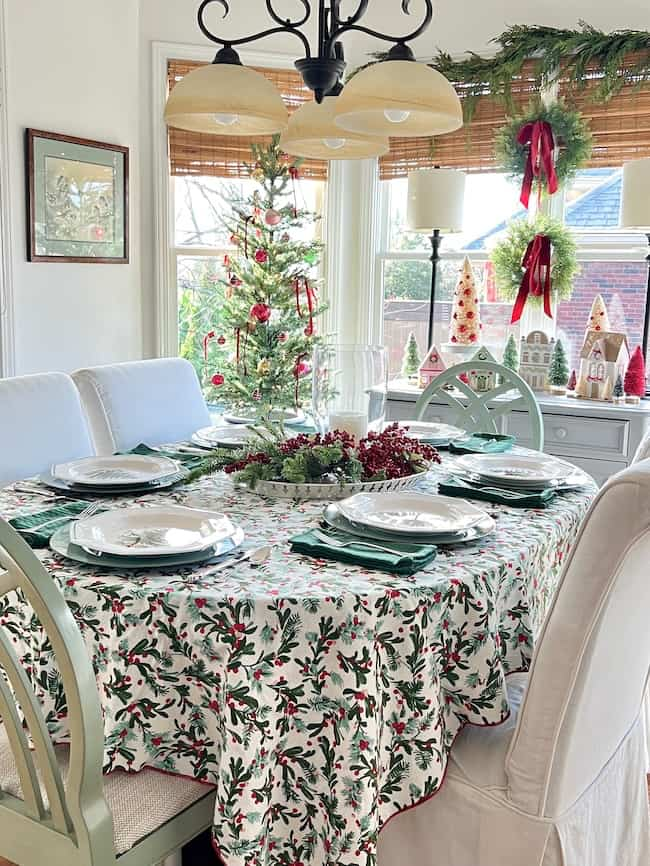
(38, 528)
(482, 443)
(188, 461)
(453, 486)
(404, 564)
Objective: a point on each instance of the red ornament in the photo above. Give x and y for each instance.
(260, 312)
(226, 261)
(234, 240)
(302, 368)
(261, 256)
(221, 340)
(282, 337)
(309, 331)
(272, 217)
(257, 394)
(285, 238)
(634, 383)
(218, 380)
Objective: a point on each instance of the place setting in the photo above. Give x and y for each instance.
(522, 478)
(115, 475)
(399, 532)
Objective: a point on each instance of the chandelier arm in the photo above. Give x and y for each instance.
(346, 27)
(286, 22)
(356, 16)
(282, 28)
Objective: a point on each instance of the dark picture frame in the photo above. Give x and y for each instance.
(77, 199)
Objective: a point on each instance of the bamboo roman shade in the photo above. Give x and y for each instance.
(621, 126)
(195, 153)
(471, 147)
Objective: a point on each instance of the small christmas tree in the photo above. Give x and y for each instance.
(598, 317)
(634, 382)
(511, 355)
(558, 371)
(260, 359)
(465, 326)
(411, 357)
(573, 379)
(618, 393)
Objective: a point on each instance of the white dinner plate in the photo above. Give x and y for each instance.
(428, 431)
(520, 470)
(289, 417)
(116, 470)
(222, 436)
(411, 513)
(155, 531)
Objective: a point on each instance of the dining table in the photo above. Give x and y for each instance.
(318, 697)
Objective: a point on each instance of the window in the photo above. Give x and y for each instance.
(207, 174)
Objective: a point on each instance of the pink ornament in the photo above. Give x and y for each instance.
(260, 312)
(261, 256)
(218, 380)
(235, 281)
(272, 217)
(302, 368)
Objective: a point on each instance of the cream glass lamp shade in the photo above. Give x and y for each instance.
(399, 98)
(226, 99)
(635, 200)
(313, 134)
(436, 198)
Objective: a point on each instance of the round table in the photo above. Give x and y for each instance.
(318, 697)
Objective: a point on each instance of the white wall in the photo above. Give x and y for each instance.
(72, 67)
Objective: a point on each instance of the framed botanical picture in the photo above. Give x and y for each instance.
(78, 199)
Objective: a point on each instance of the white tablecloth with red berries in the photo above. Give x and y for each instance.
(320, 699)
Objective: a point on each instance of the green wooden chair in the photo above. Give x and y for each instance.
(56, 807)
(471, 411)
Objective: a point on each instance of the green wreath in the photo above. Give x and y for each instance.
(508, 253)
(572, 140)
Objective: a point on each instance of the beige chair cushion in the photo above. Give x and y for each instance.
(140, 802)
(478, 756)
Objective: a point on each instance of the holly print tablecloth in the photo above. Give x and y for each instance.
(319, 698)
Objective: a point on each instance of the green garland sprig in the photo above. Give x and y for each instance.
(571, 53)
(508, 253)
(570, 131)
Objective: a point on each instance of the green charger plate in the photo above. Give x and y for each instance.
(60, 543)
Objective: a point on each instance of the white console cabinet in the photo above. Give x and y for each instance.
(599, 437)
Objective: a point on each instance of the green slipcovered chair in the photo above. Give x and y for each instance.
(56, 807)
(470, 410)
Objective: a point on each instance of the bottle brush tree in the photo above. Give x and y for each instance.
(634, 382)
(411, 358)
(511, 355)
(558, 371)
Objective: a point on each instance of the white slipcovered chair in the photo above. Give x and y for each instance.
(154, 402)
(42, 423)
(562, 782)
(643, 451)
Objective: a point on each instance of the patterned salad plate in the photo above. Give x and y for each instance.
(157, 531)
(411, 514)
(517, 470)
(116, 470)
(431, 433)
(222, 436)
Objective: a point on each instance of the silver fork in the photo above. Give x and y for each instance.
(337, 542)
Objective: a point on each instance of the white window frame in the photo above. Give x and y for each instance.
(7, 316)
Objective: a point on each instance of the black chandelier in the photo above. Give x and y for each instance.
(323, 70)
(394, 97)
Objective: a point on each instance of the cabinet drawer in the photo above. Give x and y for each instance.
(600, 470)
(400, 410)
(563, 434)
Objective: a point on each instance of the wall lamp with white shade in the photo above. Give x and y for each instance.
(398, 96)
(436, 202)
(635, 214)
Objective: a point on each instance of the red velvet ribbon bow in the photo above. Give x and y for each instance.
(538, 135)
(537, 276)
